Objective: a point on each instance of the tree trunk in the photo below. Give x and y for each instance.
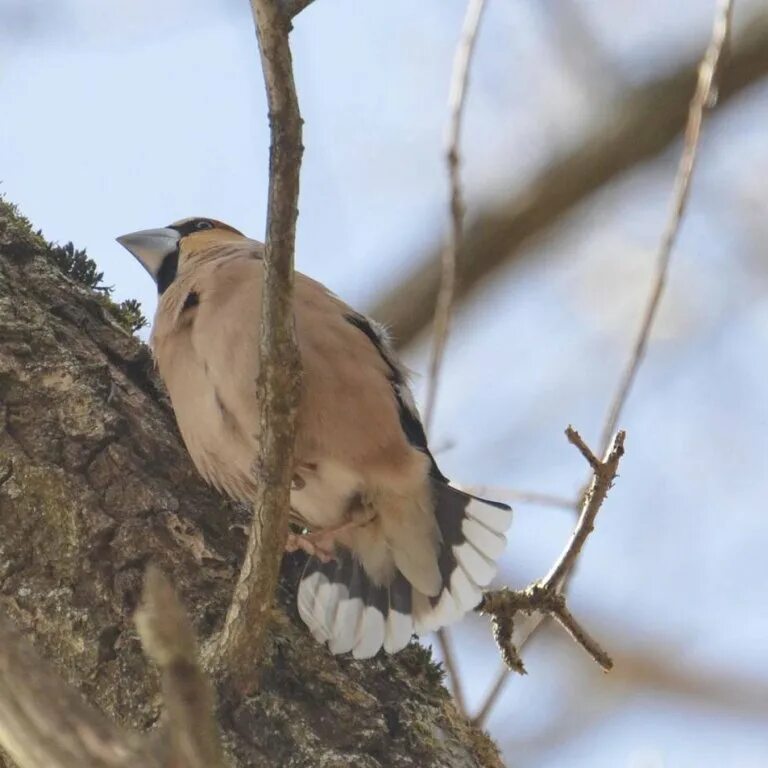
(95, 483)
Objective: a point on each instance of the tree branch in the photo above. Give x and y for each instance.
(241, 642)
(442, 320)
(704, 98)
(646, 121)
(168, 638)
(546, 596)
(523, 497)
(44, 722)
(457, 98)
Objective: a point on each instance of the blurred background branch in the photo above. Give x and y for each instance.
(46, 723)
(643, 124)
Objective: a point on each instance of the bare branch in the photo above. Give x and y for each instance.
(702, 99)
(494, 692)
(640, 127)
(168, 639)
(44, 723)
(241, 642)
(546, 596)
(575, 438)
(604, 474)
(456, 100)
(448, 655)
(746, 56)
(442, 320)
(523, 497)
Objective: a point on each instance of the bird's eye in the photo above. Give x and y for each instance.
(204, 224)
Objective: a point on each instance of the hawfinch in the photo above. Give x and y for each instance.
(395, 548)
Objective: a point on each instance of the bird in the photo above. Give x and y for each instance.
(394, 548)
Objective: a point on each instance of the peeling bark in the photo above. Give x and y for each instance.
(95, 484)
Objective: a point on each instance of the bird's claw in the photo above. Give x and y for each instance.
(315, 545)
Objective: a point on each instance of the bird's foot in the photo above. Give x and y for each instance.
(322, 543)
(314, 544)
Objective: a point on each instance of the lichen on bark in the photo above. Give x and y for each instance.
(95, 483)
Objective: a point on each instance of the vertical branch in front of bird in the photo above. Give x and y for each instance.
(239, 647)
(704, 97)
(444, 306)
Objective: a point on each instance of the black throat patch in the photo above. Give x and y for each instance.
(167, 272)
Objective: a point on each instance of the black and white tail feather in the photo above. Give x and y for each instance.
(343, 607)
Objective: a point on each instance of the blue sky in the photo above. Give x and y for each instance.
(132, 114)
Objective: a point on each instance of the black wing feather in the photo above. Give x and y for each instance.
(409, 419)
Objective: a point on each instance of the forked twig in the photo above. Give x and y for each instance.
(546, 596)
(703, 98)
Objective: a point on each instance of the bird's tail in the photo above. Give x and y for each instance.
(342, 606)
(472, 531)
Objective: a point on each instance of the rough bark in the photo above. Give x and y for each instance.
(95, 484)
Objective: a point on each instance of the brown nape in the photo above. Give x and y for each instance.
(221, 225)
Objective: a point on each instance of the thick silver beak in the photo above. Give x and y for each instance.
(151, 246)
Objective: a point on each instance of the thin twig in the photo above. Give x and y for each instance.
(546, 596)
(575, 439)
(448, 655)
(240, 645)
(500, 493)
(640, 127)
(444, 306)
(168, 638)
(703, 98)
(456, 101)
(492, 697)
(604, 473)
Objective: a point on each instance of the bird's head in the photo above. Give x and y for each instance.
(162, 252)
